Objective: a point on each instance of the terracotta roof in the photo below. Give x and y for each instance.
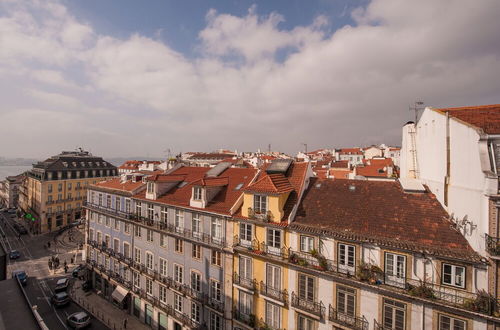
(271, 183)
(380, 212)
(214, 156)
(339, 173)
(130, 165)
(375, 167)
(340, 164)
(166, 178)
(484, 117)
(212, 182)
(116, 184)
(351, 151)
(221, 203)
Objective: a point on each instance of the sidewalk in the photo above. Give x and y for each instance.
(103, 310)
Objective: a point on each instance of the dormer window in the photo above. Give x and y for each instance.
(197, 193)
(260, 204)
(150, 187)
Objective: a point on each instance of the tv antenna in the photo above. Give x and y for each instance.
(305, 146)
(417, 105)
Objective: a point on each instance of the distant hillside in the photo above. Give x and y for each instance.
(117, 161)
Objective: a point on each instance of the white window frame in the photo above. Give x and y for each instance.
(306, 287)
(178, 302)
(196, 280)
(395, 270)
(273, 244)
(149, 260)
(215, 290)
(453, 275)
(164, 214)
(346, 256)
(273, 315)
(163, 266)
(260, 204)
(345, 297)
(137, 255)
(163, 293)
(163, 240)
(274, 276)
(306, 243)
(246, 234)
(178, 273)
(196, 227)
(245, 303)
(453, 322)
(196, 251)
(179, 220)
(149, 287)
(197, 193)
(217, 229)
(149, 235)
(245, 268)
(195, 312)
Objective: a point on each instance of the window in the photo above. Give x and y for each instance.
(346, 300)
(177, 303)
(126, 250)
(107, 240)
(137, 279)
(273, 315)
(346, 255)
(137, 231)
(453, 275)
(178, 273)
(304, 323)
(108, 201)
(49, 199)
(196, 281)
(196, 253)
(150, 187)
(163, 267)
(149, 235)
(116, 245)
(117, 224)
(196, 225)
(306, 243)
(164, 214)
(395, 266)
(215, 290)
(246, 234)
(107, 221)
(149, 260)
(149, 287)
(394, 315)
(450, 323)
(245, 268)
(150, 212)
(138, 209)
(163, 240)
(306, 287)
(260, 204)
(215, 321)
(59, 186)
(197, 193)
(49, 187)
(126, 228)
(117, 204)
(59, 197)
(69, 185)
(178, 245)
(245, 303)
(273, 276)
(274, 241)
(163, 294)
(216, 258)
(137, 255)
(195, 312)
(179, 221)
(127, 206)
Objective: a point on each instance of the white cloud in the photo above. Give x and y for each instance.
(140, 95)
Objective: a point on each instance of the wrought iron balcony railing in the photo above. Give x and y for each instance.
(313, 307)
(248, 319)
(492, 245)
(278, 294)
(343, 319)
(250, 284)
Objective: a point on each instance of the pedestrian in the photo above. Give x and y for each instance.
(48, 244)
(65, 268)
(125, 324)
(72, 259)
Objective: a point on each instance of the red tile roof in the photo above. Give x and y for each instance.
(166, 178)
(116, 184)
(271, 184)
(221, 203)
(351, 151)
(485, 117)
(212, 182)
(381, 212)
(214, 156)
(130, 165)
(340, 164)
(375, 167)
(339, 173)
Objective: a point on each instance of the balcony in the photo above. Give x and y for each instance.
(248, 319)
(260, 216)
(312, 307)
(277, 294)
(244, 282)
(492, 245)
(352, 322)
(262, 248)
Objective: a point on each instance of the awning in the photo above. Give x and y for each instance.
(119, 294)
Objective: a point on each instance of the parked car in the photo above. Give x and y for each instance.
(60, 299)
(61, 285)
(78, 320)
(76, 271)
(14, 254)
(21, 275)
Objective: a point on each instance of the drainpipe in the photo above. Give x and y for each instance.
(447, 177)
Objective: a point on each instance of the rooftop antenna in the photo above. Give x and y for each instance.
(269, 147)
(305, 146)
(417, 105)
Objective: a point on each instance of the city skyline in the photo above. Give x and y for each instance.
(118, 80)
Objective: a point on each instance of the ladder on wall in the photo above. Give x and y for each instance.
(413, 152)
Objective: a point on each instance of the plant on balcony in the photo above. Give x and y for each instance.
(422, 290)
(251, 213)
(369, 273)
(251, 320)
(482, 303)
(323, 264)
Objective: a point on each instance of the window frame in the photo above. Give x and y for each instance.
(453, 275)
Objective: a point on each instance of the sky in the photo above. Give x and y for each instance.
(128, 77)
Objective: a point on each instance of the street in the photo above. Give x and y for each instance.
(41, 281)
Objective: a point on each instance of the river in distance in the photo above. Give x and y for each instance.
(8, 170)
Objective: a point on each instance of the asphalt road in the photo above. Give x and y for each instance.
(41, 283)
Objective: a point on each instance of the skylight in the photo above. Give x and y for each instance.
(238, 187)
(182, 184)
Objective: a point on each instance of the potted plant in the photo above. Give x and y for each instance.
(482, 303)
(422, 290)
